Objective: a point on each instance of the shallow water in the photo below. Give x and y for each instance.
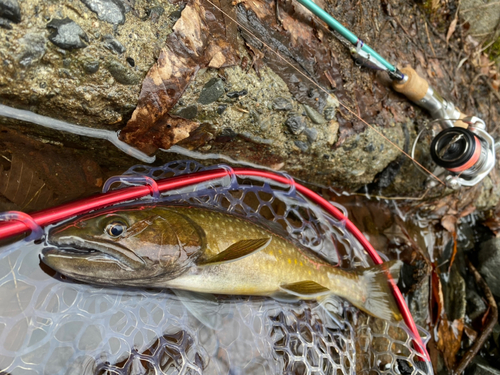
(52, 325)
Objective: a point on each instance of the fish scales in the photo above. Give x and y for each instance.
(280, 262)
(208, 251)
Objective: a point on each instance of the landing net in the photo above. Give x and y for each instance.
(52, 325)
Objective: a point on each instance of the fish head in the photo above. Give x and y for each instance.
(135, 246)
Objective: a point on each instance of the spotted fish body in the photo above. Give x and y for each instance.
(207, 251)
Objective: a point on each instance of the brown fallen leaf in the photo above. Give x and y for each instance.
(451, 29)
(41, 175)
(22, 186)
(449, 340)
(198, 40)
(449, 223)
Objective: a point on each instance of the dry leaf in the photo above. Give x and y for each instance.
(22, 186)
(450, 338)
(197, 41)
(449, 223)
(451, 29)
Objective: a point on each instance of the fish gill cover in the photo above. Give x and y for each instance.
(53, 325)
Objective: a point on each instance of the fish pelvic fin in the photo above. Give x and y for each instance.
(237, 251)
(305, 289)
(378, 299)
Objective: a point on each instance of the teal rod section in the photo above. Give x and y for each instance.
(337, 26)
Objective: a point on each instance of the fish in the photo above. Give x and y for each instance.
(201, 250)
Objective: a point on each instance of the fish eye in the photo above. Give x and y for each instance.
(115, 229)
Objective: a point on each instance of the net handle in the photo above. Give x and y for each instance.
(65, 211)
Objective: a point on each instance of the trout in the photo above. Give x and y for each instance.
(200, 250)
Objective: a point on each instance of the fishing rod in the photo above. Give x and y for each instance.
(464, 148)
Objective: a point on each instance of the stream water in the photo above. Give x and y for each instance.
(53, 325)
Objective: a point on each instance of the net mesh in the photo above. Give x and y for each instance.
(52, 325)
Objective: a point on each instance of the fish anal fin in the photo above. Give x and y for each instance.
(305, 289)
(237, 251)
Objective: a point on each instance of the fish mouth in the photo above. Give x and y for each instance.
(103, 251)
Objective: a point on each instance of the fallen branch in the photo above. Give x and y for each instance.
(488, 327)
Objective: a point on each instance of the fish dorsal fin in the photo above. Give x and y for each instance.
(305, 289)
(237, 251)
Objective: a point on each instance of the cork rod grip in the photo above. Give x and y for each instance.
(414, 88)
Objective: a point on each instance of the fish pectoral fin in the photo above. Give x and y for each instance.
(203, 307)
(237, 251)
(305, 289)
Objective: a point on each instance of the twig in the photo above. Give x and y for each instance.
(486, 331)
(368, 196)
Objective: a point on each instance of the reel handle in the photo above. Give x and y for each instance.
(417, 89)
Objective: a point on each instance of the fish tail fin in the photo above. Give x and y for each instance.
(379, 299)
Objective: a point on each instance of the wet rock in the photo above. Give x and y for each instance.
(188, 113)
(481, 369)
(282, 104)
(91, 67)
(237, 94)
(475, 304)
(67, 34)
(302, 146)
(489, 264)
(121, 73)
(212, 91)
(32, 49)
(113, 44)
(9, 9)
(314, 115)
(5, 24)
(329, 113)
(112, 11)
(419, 303)
(296, 124)
(482, 15)
(454, 294)
(312, 134)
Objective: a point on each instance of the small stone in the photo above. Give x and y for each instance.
(33, 47)
(67, 34)
(302, 146)
(188, 113)
(111, 11)
(5, 24)
(296, 124)
(175, 15)
(369, 147)
(121, 73)
(91, 67)
(282, 104)
(155, 13)
(489, 264)
(221, 109)
(212, 91)
(130, 61)
(329, 113)
(311, 134)
(113, 44)
(237, 94)
(9, 9)
(314, 115)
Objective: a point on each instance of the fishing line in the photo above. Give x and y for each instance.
(326, 91)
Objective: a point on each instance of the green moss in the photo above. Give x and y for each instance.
(494, 51)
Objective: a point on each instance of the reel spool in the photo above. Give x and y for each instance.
(467, 153)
